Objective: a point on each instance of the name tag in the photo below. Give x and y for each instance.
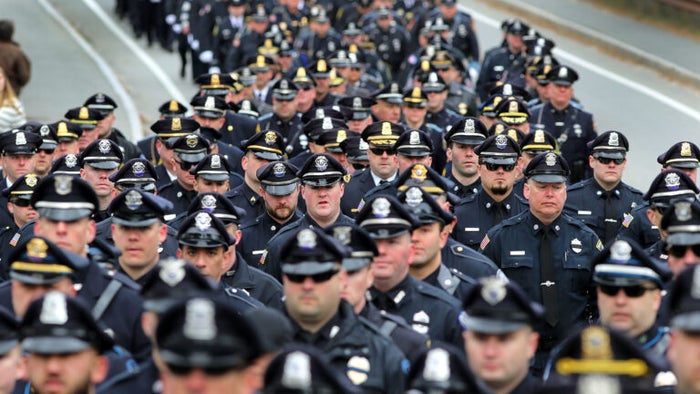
(471, 229)
(517, 253)
(585, 212)
(261, 251)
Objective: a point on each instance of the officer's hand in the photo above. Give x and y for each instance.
(206, 56)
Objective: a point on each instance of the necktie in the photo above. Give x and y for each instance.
(383, 302)
(610, 217)
(383, 181)
(499, 212)
(547, 278)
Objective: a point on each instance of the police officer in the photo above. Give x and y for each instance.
(388, 103)
(311, 268)
(540, 247)
(460, 98)
(683, 156)
(188, 152)
(319, 39)
(139, 173)
(499, 337)
(462, 138)
(383, 164)
(390, 38)
(321, 188)
(682, 237)
(285, 118)
(321, 72)
(260, 149)
(415, 104)
(427, 309)
(86, 119)
(435, 89)
(45, 152)
(63, 342)
(532, 144)
(684, 305)
(361, 111)
(279, 186)
(99, 161)
(428, 239)
(105, 105)
(213, 174)
(65, 205)
(138, 229)
(570, 125)
(167, 132)
(204, 242)
(18, 196)
(235, 127)
(305, 368)
(204, 342)
(17, 159)
(603, 200)
(67, 137)
(668, 187)
(505, 61)
(169, 109)
(499, 156)
(600, 357)
(360, 276)
(629, 285)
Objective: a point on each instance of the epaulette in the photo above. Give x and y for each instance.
(125, 280)
(632, 189)
(522, 199)
(578, 185)
(463, 277)
(433, 292)
(236, 293)
(265, 117)
(467, 200)
(459, 250)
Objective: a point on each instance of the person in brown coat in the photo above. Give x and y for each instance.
(12, 59)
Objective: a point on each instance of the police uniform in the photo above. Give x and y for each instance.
(135, 208)
(391, 44)
(426, 209)
(572, 127)
(315, 46)
(295, 141)
(18, 194)
(102, 155)
(445, 117)
(501, 63)
(168, 110)
(190, 149)
(16, 142)
(381, 135)
(278, 179)
(319, 170)
(168, 130)
(586, 200)
(354, 347)
(362, 252)
(467, 131)
(204, 230)
(416, 98)
(267, 145)
(625, 264)
(429, 310)
(106, 105)
(514, 245)
(301, 367)
(497, 307)
(476, 214)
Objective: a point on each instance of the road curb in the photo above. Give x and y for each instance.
(663, 66)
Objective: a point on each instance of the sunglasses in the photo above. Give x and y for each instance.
(494, 167)
(317, 278)
(307, 88)
(606, 161)
(20, 202)
(211, 371)
(185, 165)
(678, 251)
(380, 151)
(47, 151)
(630, 291)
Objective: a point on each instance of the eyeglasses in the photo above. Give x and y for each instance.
(606, 161)
(317, 278)
(20, 202)
(679, 251)
(630, 291)
(185, 165)
(211, 371)
(494, 167)
(380, 151)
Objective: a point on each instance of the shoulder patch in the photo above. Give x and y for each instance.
(627, 220)
(599, 245)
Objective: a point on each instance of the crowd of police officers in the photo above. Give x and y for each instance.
(353, 201)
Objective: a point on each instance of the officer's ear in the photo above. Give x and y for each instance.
(590, 161)
(163, 233)
(99, 370)
(11, 208)
(526, 190)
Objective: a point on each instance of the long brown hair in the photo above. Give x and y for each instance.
(7, 94)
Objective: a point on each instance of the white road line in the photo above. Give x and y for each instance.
(124, 98)
(645, 90)
(151, 64)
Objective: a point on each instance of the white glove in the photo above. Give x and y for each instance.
(170, 19)
(194, 44)
(206, 56)
(214, 70)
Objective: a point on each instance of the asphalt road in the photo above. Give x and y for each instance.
(650, 109)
